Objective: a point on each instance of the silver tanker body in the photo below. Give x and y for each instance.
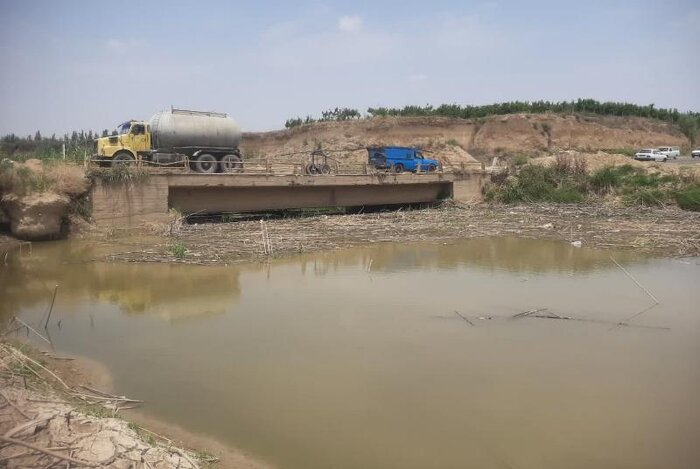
(189, 129)
(209, 139)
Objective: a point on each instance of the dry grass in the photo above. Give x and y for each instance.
(35, 176)
(68, 179)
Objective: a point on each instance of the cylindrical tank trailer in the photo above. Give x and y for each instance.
(209, 140)
(189, 129)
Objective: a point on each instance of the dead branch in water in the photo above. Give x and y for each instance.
(525, 314)
(599, 321)
(15, 318)
(635, 280)
(53, 300)
(465, 319)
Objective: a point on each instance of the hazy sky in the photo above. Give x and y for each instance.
(91, 65)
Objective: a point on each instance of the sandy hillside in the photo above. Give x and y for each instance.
(457, 141)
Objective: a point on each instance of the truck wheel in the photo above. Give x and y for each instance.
(431, 168)
(231, 164)
(205, 163)
(122, 158)
(398, 168)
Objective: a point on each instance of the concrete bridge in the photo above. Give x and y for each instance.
(151, 198)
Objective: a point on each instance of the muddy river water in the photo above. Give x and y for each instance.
(394, 356)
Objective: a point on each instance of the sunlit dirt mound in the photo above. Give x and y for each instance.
(462, 142)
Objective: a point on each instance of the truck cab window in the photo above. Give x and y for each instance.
(124, 128)
(138, 129)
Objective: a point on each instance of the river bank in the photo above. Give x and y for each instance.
(57, 410)
(666, 231)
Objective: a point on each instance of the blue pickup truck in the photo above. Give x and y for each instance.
(401, 159)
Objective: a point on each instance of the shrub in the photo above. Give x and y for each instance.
(605, 179)
(645, 196)
(689, 198)
(567, 195)
(520, 159)
(536, 182)
(179, 250)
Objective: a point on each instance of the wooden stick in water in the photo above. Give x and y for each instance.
(32, 329)
(635, 281)
(46, 324)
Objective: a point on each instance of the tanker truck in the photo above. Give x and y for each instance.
(207, 140)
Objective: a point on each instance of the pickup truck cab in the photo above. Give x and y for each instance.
(401, 159)
(671, 152)
(650, 154)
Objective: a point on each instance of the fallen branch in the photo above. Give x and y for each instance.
(104, 398)
(11, 432)
(181, 453)
(22, 356)
(13, 405)
(53, 454)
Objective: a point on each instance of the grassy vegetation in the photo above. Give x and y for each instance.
(119, 174)
(23, 179)
(179, 250)
(520, 159)
(568, 181)
(688, 198)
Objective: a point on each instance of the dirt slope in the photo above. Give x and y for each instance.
(457, 141)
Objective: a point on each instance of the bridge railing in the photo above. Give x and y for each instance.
(268, 166)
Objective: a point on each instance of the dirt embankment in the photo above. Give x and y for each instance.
(36, 197)
(460, 141)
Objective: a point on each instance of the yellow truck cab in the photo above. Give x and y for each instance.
(132, 141)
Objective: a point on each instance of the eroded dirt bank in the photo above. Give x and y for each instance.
(458, 141)
(664, 231)
(55, 412)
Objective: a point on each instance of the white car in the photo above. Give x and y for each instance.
(650, 154)
(671, 152)
(695, 153)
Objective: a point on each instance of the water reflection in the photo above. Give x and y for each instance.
(173, 292)
(512, 254)
(176, 292)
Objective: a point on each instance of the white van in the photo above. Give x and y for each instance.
(671, 152)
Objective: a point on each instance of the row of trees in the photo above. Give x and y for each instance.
(336, 114)
(77, 144)
(688, 122)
